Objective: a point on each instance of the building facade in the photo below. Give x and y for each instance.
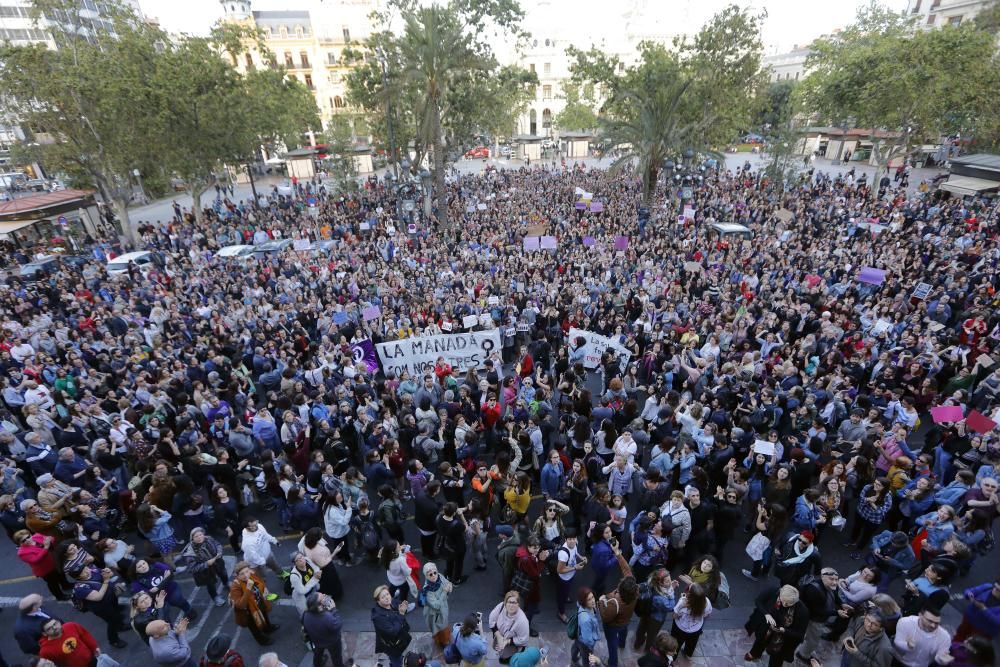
(787, 66)
(936, 13)
(310, 43)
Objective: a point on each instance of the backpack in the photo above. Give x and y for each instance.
(369, 536)
(231, 659)
(644, 605)
(287, 584)
(451, 653)
(573, 626)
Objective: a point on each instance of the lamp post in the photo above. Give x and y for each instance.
(682, 176)
(425, 180)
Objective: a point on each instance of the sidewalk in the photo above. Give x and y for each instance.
(716, 648)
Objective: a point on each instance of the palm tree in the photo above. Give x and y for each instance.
(650, 129)
(436, 50)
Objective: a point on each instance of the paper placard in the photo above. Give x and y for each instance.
(681, 220)
(621, 243)
(419, 354)
(532, 242)
(371, 313)
(946, 413)
(548, 243)
(470, 321)
(301, 244)
(485, 320)
(589, 241)
(446, 326)
(493, 300)
(596, 207)
(871, 275)
(689, 213)
(692, 267)
(783, 214)
(509, 332)
(365, 226)
(411, 228)
(595, 344)
(922, 291)
(523, 327)
(881, 327)
(980, 423)
(340, 318)
(765, 447)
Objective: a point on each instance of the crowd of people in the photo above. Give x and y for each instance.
(767, 399)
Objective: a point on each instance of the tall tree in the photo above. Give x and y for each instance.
(696, 95)
(92, 97)
(883, 74)
(579, 113)
(441, 80)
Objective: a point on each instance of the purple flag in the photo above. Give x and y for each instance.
(581, 206)
(371, 313)
(621, 243)
(549, 242)
(531, 242)
(365, 351)
(596, 207)
(589, 241)
(871, 275)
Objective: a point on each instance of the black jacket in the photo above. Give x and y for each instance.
(425, 512)
(392, 632)
(323, 628)
(821, 602)
(795, 631)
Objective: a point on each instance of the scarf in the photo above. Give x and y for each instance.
(206, 550)
(431, 586)
(799, 556)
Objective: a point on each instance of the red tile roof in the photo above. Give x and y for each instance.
(41, 201)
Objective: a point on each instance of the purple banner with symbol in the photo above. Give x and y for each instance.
(365, 351)
(871, 275)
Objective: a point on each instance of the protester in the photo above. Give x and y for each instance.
(322, 625)
(67, 644)
(509, 626)
(170, 645)
(392, 632)
(251, 606)
(778, 624)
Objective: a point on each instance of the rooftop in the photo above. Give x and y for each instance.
(41, 201)
(980, 160)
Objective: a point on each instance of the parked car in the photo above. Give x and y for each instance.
(505, 151)
(753, 139)
(40, 268)
(235, 251)
(119, 265)
(477, 153)
(548, 144)
(271, 247)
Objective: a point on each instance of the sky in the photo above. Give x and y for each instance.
(789, 22)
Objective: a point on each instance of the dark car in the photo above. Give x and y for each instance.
(40, 269)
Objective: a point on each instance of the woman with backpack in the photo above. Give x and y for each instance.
(337, 522)
(390, 513)
(304, 579)
(314, 547)
(656, 600)
(584, 628)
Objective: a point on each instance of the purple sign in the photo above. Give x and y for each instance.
(531, 243)
(549, 242)
(621, 243)
(589, 241)
(371, 313)
(871, 275)
(365, 351)
(581, 206)
(596, 207)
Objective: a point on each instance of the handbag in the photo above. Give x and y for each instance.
(838, 522)
(757, 545)
(105, 660)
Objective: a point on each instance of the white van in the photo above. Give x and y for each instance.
(119, 265)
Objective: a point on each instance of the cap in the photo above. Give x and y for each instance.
(807, 535)
(217, 647)
(506, 531)
(44, 479)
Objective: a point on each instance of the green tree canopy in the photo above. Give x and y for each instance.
(580, 112)
(696, 95)
(133, 98)
(883, 74)
(441, 80)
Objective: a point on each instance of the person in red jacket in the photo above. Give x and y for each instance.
(526, 366)
(490, 412)
(530, 565)
(68, 645)
(36, 550)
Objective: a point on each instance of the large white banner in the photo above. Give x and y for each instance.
(417, 355)
(596, 345)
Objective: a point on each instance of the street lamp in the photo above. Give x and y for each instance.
(425, 180)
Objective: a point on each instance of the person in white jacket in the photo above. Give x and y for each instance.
(337, 522)
(305, 579)
(256, 545)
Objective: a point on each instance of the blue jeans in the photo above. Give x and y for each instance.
(615, 637)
